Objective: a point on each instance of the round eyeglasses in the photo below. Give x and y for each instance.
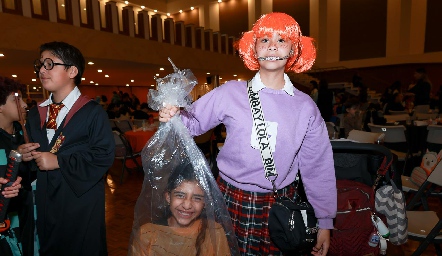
(48, 64)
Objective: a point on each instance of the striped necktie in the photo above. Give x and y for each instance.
(54, 109)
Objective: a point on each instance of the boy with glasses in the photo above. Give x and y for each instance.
(76, 150)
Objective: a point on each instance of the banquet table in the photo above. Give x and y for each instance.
(137, 140)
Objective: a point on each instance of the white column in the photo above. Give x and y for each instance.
(52, 10)
(417, 26)
(393, 27)
(26, 8)
(130, 19)
(333, 29)
(146, 24)
(96, 15)
(75, 5)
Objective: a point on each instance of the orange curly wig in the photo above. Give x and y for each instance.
(304, 51)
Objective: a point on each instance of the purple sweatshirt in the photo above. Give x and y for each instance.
(297, 134)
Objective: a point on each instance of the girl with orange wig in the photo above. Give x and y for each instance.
(296, 132)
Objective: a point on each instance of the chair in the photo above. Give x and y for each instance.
(123, 125)
(112, 124)
(365, 137)
(123, 151)
(139, 122)
(396, 118)
(434, 138)
(395, 139)
(332, 129)
(422, 108)
(426, 116)
(398, 112)
(425, 226)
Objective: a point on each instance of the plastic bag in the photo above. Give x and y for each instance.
(180, 210)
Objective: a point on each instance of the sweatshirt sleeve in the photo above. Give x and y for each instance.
(316, 166)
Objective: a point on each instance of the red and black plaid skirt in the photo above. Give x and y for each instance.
(250, 213)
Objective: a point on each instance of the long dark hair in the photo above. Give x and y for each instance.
(185, 172)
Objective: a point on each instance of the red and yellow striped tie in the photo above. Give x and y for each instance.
(54, 109)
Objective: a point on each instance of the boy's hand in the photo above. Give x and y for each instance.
(46, 161)
(12, 190)
(26, 149)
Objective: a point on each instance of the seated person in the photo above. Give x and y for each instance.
(141, 111)
(352, 119)
(184, 230)
(395, 105)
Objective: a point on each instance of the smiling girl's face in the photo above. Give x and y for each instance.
(186, 202)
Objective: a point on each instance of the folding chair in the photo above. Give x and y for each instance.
(365, 137)
(402, 112)
(123, 125)
(139, 122)
(426, 116)
(333, 130)
(397, 118)
(123, 151)
(425, 226)
(434, 138)
(395, 139)
(421, 108)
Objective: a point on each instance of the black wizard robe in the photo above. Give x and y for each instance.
(70, 200)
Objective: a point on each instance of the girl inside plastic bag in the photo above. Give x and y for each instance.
(180, 210)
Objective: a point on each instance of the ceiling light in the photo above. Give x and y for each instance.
(34, 80)
(126, 2)
(14, 75)
(84, 9)
(152, 85)
(96, 84)
(91, 82)
(106, 75)
(239, 79)
(208, 73)
(168, 14)
(132, 81)
(157, 74)
(191, 8)
(161, 69)
(90, 63)
(155, 10)
(62, 5)
(235, 75)
(181, 11)
(34, 88)
(142, 7)
(219, 1)
(99, 71)
(127, 84)
(2, 55)
(220, 78)
(82, 79)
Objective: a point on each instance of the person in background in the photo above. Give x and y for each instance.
(397, 104)
(314, 90)
(352, 119)
(76, 150)
(298, 134)
(325, 100)
(421, 88)
(141, 112)
(21, 206)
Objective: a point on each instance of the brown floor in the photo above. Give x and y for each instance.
(120, 202)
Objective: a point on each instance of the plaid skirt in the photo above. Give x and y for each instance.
(249, 212)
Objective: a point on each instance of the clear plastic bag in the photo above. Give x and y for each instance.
(180, 210)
